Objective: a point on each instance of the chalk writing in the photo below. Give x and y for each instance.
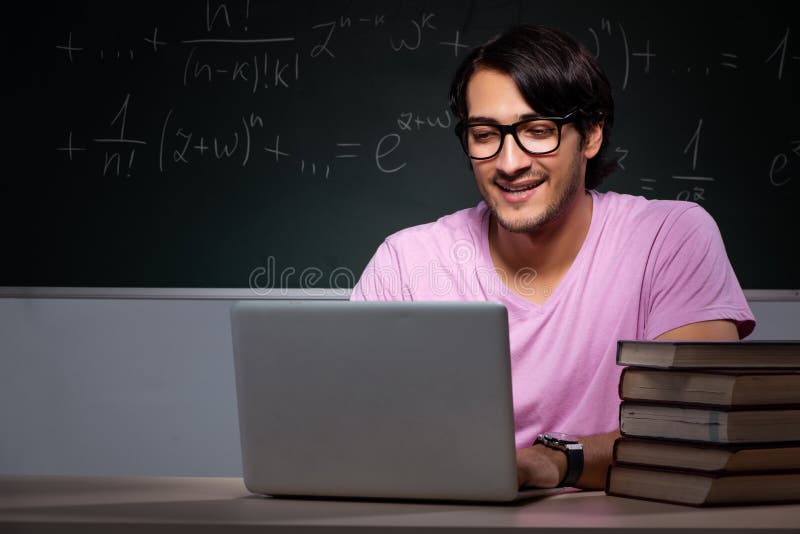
(408, 121)
(259, 71)
(729, 60)
(455, 43)
(70, 148)
(276, 149)
(312, 167)
(623, 154)
(69, 49)
(415, 41)
(323, 47)
(386, 146)
(344, 22)
(647, 184)
(119, 144)
(779, 174)
(779, 54)
(694, 144)
(732, 61)
(264, 68)
(341, 97)
(607, 29)
(695, 193)
(185, 145)
(350, 150)
(153, 40)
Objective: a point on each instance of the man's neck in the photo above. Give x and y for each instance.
(550, 250)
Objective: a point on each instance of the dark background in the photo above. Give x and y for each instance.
(219, 179)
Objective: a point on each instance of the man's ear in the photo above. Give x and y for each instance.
(593, 140)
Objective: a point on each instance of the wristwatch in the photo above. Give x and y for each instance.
(571, 447)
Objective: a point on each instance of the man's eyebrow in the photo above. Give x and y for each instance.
(490, 120)
(482, 119)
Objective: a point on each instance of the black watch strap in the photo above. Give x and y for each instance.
(572, 448)
(574, 464)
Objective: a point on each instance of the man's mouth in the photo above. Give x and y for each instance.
(519, 188)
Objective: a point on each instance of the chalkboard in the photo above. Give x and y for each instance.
(232, 143)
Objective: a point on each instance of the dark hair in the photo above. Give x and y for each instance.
(555, 75)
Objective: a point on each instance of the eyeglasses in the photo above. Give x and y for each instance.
(537, 136)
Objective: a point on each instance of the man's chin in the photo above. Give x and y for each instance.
(517, 222)
(520, 227)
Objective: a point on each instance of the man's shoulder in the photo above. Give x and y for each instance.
(639, 211)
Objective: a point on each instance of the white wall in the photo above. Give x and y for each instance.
(112, 386)
(117, 387)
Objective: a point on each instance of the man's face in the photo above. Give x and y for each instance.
(525, 192)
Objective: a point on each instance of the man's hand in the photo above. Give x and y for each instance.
(543, 467)
(540, 466)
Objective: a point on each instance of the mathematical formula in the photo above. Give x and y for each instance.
(230, 50)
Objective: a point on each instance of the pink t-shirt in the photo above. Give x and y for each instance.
(646, 267)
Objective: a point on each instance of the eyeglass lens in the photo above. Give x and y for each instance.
(535, 136)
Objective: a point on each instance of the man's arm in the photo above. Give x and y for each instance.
(544, 467)
(703, 331)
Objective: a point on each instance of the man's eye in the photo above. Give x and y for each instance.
(483, 135)
(538, 131)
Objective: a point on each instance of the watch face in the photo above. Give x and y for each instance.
(561, 437)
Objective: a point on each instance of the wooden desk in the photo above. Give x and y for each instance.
(206, 505)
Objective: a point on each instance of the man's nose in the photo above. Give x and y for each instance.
(512, 159)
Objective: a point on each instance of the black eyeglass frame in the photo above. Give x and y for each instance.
(506, 129)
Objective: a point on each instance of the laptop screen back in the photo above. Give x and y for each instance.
(380, 400)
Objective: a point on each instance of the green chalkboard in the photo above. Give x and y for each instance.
(222, 143)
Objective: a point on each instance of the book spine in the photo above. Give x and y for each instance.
(708, 500)
(714, 426)
(712, 406)
(717, 473)
(625, 370)
(712, 430)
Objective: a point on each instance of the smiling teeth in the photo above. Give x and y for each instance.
(518, 189)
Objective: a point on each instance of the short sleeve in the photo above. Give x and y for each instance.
(690, 277)
(381, 279)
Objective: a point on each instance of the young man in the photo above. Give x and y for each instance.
(576, 269)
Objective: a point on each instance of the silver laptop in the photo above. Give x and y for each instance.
(400, 400)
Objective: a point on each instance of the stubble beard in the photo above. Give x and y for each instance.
(553, 211)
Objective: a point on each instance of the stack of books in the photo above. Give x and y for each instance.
(708, 423)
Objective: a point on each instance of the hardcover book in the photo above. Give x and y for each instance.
(710, 354)
(702, 489)
(709, 424)
(705, 457)
(720, 388)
